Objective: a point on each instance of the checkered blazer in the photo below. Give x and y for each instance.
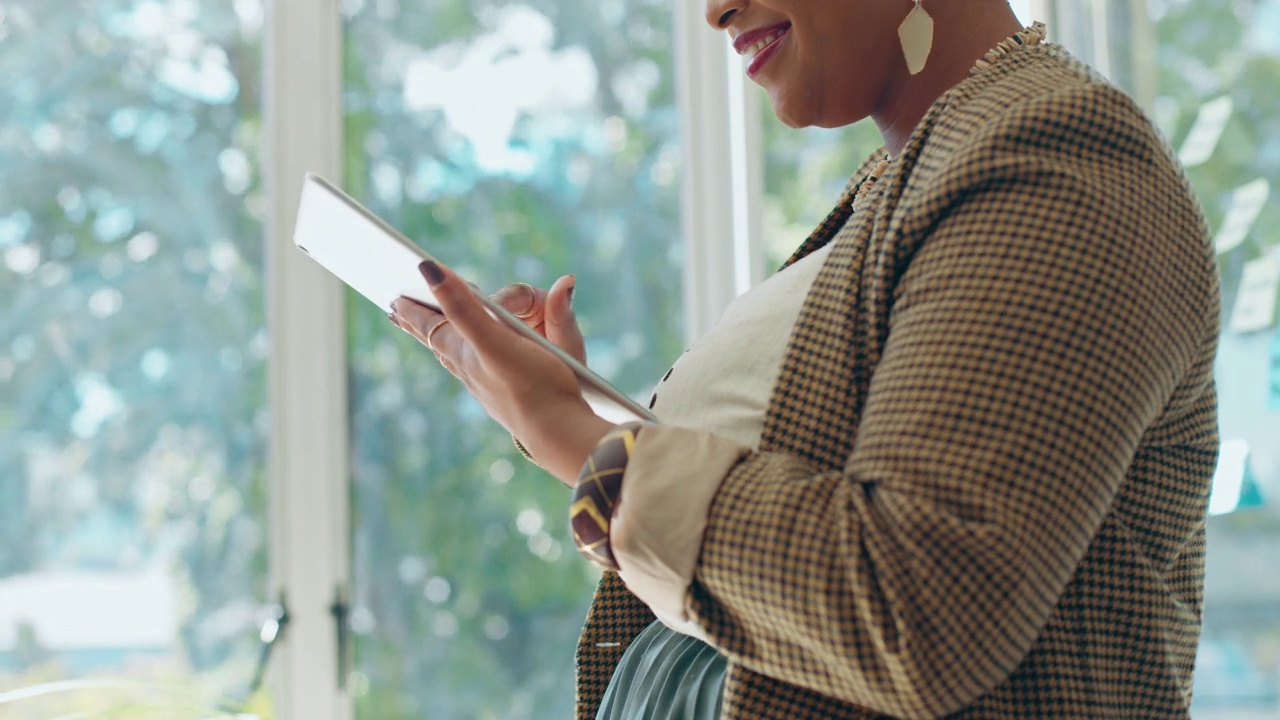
(983, 478)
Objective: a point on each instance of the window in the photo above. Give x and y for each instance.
(1207, 71)
(132, 397)
(517, 141)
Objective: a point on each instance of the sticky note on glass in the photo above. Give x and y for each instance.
(1228, 478)
(1246, 204)
(1255, 307)
(1273, 394)
(1207, 130)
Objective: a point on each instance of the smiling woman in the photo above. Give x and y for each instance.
(527, 140)
(907, 476)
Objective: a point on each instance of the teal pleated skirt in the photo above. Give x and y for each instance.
(665, 676)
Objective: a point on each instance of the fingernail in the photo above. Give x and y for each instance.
(432, 272)
(533, 297)
(572, 288)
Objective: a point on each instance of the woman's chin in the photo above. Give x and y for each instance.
(791, 123)
(802, 108)
(788, 114)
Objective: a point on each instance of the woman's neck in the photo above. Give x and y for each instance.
(963, 33)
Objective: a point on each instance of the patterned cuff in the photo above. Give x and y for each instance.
(523, 450)
(596, 494)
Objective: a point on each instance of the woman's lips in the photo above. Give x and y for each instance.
(763, 54)
(764, 48)
(760, 44)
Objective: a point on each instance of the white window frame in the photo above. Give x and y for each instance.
(309, 457)
(722, 178)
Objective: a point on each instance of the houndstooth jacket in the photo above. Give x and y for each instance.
(984, 473)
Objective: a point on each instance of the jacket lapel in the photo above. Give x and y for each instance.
(817, 401)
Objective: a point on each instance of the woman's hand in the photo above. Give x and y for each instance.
(549, 312)
(526, 389)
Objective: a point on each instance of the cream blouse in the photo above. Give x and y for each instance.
(719, 387)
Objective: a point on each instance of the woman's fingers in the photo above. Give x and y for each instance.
(524, 301)
(561, 323)
(420, 321)
(467, 316)
(550, 312)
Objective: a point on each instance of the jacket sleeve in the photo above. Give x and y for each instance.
(1036, 334)
(671, 477)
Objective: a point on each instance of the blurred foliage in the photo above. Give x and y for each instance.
(132, 342)
(1209, 51)
(804, 173)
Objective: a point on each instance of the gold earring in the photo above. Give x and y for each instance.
(916, 34)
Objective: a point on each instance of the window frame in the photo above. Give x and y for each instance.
(308, 457)
(722, 178)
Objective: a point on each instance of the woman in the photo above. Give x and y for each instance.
(963, 466)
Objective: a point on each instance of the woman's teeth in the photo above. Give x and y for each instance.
(762, 43)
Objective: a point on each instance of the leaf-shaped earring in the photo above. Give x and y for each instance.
(916, 34)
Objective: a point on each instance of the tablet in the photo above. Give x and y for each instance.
(381, 264)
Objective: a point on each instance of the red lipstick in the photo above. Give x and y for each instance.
(761, 44)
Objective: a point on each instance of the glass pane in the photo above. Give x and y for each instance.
(805, 172)
(517, 141)
(1211, 87)
(132, 542)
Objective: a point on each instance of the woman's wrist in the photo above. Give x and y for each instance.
(561, 437)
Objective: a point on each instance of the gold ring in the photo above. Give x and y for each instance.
(431, 332)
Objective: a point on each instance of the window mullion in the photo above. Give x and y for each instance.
(707, 192)
(747, 168)
(309, 456)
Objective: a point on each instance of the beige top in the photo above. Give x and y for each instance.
(721, 386)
